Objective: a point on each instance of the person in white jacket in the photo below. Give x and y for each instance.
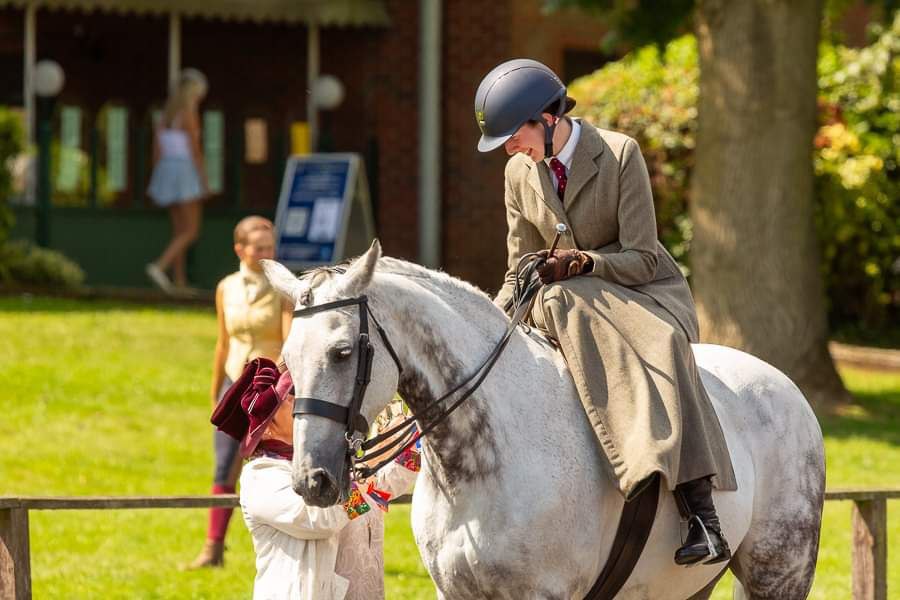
(304, 552)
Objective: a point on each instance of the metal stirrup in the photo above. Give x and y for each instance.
(709, 545)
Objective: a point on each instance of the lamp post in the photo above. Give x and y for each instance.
(48, 82)
(327, 94)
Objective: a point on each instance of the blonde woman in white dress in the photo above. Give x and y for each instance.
(178, 182)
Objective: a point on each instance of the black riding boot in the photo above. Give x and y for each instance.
(705, 542)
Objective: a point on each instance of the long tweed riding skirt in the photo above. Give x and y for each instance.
(174, 181)
(635, 373)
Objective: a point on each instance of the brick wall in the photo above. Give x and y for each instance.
(380, 69)
(476, 38)
(544, 37)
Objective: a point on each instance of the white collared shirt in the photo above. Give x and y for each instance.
(301, 549)
(567, 154)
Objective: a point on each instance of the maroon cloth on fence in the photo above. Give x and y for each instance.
(562, 178)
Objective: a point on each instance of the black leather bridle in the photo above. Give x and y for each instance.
(361, 450)
(348, 415)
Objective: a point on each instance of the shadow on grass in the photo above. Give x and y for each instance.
(875, 415)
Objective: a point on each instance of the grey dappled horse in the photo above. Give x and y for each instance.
(513, 501)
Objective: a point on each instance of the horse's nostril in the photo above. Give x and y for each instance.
(317, 487)
(319, 481)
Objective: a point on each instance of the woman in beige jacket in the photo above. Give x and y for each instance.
(614, 298)
(253, 321)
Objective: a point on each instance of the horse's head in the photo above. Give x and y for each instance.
(322, 354)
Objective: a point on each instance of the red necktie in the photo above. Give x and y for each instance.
(559, 170)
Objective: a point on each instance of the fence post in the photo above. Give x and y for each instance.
(15, 560)
(870, 549)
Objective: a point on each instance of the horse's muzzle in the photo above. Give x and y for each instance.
(317, 487)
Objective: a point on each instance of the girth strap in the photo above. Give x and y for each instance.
(329, 410)
(631, 537)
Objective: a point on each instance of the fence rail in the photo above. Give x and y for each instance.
(869, 521)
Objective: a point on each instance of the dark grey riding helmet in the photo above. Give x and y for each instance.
(513, 93)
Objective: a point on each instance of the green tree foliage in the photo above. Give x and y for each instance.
(651, 94)
(857, 163)
(635, 21)
(638, 22)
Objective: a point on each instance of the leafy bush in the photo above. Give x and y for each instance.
(12, 140)
(652, 96)
(21, 262)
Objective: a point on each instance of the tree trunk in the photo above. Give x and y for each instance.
(756, 269)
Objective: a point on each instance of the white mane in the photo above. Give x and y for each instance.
(389, 265)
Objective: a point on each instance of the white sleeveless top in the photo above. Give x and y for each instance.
(174, 143)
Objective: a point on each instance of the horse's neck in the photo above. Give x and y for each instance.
(446, 337)
(521, 437)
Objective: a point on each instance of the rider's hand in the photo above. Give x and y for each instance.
(563, 264)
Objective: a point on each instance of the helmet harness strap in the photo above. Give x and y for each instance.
(549, 129)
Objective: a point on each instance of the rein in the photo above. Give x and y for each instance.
(360, 450)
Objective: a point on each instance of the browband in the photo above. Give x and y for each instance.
(311, 310)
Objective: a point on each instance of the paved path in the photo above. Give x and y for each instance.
(886, 359)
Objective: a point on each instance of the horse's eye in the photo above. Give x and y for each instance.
(342, 352)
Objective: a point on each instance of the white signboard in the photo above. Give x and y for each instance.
(324, 214)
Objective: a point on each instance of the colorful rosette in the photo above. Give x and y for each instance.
(381, 498)
(356, 506)
(410, 459)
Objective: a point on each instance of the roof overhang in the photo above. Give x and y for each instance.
(337, 13)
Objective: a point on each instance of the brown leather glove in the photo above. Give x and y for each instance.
(563, 264)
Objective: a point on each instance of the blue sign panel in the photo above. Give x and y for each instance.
(315, 198)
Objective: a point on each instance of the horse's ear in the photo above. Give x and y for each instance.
(283, 280)
(359, 275)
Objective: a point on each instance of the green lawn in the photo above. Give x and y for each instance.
(105, 398)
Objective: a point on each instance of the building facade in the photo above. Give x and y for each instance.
(116, 62)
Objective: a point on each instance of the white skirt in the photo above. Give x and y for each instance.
(174, 181)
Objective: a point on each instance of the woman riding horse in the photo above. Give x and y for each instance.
(614, 298)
